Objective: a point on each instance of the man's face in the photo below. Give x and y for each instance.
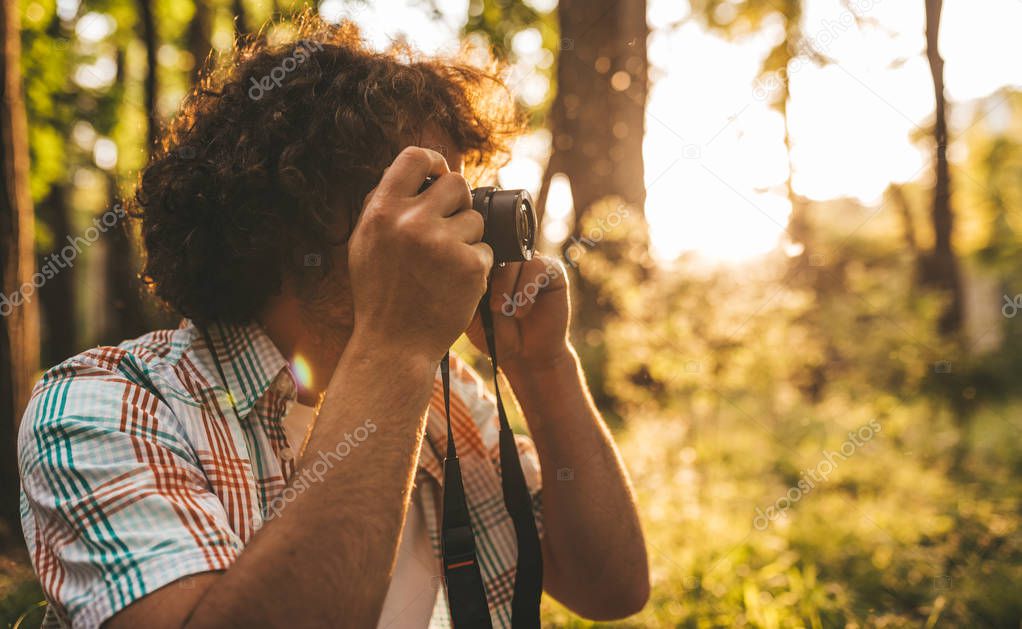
(326, 304)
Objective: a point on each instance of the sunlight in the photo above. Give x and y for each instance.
(715, 162)
(559, 209)
(714, 155)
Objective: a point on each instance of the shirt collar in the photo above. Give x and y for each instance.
(251, 363)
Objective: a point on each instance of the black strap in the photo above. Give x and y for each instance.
(465, 592)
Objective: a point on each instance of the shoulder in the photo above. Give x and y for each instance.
(105, 388)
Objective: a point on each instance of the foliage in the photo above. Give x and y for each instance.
(891, 539)
(497, 22)
(738, 381)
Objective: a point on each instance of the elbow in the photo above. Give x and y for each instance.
(633, 599)
(625, 598)
(606, 591)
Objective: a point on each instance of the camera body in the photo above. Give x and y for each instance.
(509, 219)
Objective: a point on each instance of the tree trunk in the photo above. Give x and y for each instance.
(942, 268)
(598, 127)
(240, 17)
(901, 202)
(148, 34)
(19, 327)
(57, 297)
(126, 316)
(798, 221)
(200, 30)
(598, 122)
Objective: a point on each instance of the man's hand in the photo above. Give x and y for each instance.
(531, 309)
(417, 264)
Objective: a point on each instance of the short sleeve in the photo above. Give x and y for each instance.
(114, 502)
(483, 407)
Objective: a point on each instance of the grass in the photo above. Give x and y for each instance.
(892, 537)
(19, 591)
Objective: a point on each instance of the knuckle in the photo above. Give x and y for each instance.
(434, 244)
(414, 155)
(457, 182)
(372, 217)
(412, 151)
(408, 223)
(476, 222)
(456, 177)
(485, 258)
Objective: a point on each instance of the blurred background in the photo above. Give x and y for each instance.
(794, 228)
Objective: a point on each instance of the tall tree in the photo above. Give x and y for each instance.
(597, 121)
(19, 328)
(200, 32)
(126, 316)
(147, 28)
(57, 297)
(941, 269)
(240, 17)
(598, 115)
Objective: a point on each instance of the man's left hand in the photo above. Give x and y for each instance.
(531, 310)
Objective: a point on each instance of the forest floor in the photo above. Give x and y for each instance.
(887, 535)
(881, 532)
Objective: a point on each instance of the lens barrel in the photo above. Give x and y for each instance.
(509, 219)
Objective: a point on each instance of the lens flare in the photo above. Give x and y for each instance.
(302, 371)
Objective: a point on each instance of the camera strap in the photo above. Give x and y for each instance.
(466, 594)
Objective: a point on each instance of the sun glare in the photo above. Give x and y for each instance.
(302, 372)
(714, 154)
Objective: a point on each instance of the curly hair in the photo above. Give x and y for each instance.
(271, 155)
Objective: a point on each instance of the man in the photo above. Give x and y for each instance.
(185, 479)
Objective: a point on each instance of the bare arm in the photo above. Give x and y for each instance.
(593, 547)
(327, 558)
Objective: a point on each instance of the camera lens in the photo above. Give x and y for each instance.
(526, 226)
(510, 223)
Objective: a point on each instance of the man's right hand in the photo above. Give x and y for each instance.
(417, 264)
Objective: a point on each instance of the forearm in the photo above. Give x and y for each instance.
(326, 558)
(592, 530)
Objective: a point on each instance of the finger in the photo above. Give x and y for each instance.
(369, 197)
(448, 195)
(467, 226)
(410, 168)
(555, 269)
(502, 288)
(484, 253)
(539, 276)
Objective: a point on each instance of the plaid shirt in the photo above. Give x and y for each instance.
(136, 472)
